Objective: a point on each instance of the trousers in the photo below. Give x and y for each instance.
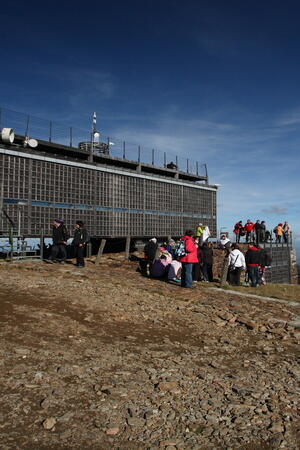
(187, 275)
(58, 250)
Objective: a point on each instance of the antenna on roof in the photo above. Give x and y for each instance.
(95, 137)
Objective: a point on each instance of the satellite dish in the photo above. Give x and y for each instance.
(7, 135)
(32, 143)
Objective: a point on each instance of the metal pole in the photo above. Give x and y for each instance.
(50, 131)
(165, 159)
(206, 172)
(124, 150)
(100, 251)
(153, 157)
(27, 126)
(139, 154)
(42, 244)
(19, 221)
(127, 248)
(108, 144)
(187, 165)
(177, 162)
(71, 136)
(91, 155)
(197, 168)
(0, 117)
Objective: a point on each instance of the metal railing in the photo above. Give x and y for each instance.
(74, 137)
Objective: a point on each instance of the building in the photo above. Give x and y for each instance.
(113, 195)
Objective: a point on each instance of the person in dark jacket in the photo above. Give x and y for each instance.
(150, 250)
(81, 238)
(198, 266)
(253, 262)
(262, 231)
(60, 236)
(207, 259)
(257, 230)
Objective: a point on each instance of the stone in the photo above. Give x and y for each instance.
(49, 423)
(135, 422)
(168, 386)
(22, 351)
(112, 431)
(276, 427)
(169, 442)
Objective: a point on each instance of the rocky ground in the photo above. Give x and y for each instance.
(103, 358)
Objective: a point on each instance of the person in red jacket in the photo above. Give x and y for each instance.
(249, 230)
(238, 230)
(188, 260)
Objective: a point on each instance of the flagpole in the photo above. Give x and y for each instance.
(91, 157)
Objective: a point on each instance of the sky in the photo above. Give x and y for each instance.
(213, 81)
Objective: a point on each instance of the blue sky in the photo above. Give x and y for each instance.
(216, 81)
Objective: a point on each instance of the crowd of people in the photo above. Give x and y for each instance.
(258, 232)
(187, 260)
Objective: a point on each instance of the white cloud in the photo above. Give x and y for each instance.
(275, 210)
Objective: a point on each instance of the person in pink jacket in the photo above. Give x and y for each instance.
(188, 260)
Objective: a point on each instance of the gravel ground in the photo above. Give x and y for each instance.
(102, 358)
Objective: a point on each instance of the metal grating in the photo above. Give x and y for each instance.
(111, 204)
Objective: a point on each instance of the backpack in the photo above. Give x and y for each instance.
(275, 230)
(180, 249)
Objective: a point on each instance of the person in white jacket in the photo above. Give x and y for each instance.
(237, 263)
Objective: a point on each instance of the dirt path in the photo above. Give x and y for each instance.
(105, 359)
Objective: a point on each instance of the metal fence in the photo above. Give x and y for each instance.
(280, 270)
(51, 131)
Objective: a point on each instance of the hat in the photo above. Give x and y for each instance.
(200, 224)
(58, 221)
(153, 240)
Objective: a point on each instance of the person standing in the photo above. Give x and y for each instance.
(60, 236)
(263, 231)
(286, 231)
(237, 227)
(279, 233)
(199, 233)
(249, 230)
(257, 230)
(225, 244)
(188, 260)
(207, 262)
(253, 262)
(150, 251)
(237, 263)
(81, 238)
